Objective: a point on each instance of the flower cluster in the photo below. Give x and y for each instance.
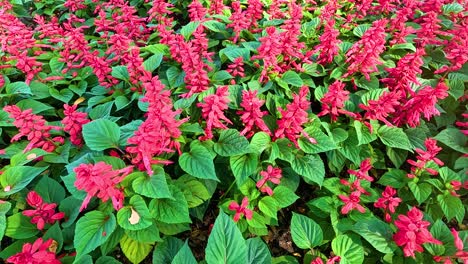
(352, 202)
(43, 213)
(73, 123)
(241, 209)
(294, 117)
(213, 111)
(388, 202)
(100, 180)
(412, 232)
(424, 156)
(272, 175)
(34, 128)
(333, 101)
(158, 133)
(36, 253)
(251, 115)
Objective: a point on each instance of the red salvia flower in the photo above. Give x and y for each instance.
(74, 5)
(237, 67)
(216, 7)
(412, 232)
(363, 172)
(33, 127)
(73, 122)
(333, 101)
(331, 260)
(43, 213)
(241, 209)
(158, 133)
(292, 119)
(268, 51)
(272, 175)
(196, 11)
(422, 103)
(213, 109)
(388, 202)
(251, 115)
(36, 253)
(405, 72)
(424, 156)
(100, 180)
(352, 202)
(239, 20)
(463, 125)
(381, 108)
(328, 47)
(364, 55)
(354, 186)
(460, 254)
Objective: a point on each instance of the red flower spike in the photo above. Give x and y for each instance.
(388, 202)
(363, 172)
(352, 202)
(36, 253)
(333, 101)
(412, 232)
(213, 109)
(100, 180)
(73, 122)
(241, 209)
(424, 156)
(33, 127)
(272, 175)
(43, 213)
(292, 119)
(251, 115)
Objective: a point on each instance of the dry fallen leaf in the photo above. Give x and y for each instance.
(134, 217)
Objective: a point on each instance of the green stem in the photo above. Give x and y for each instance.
(228, 190)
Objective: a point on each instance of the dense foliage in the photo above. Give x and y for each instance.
(252, 131)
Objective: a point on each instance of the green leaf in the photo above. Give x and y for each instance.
(18, 88)
(394, 178)
(234, 52)
(188, 29)
(305, 232)
(135, 251)
(153, 62)
(259, 142)
(258, 251)
(92, 230)
(127, 131)
(361, 29)
(50, 190)
(231, 143)
(112, 241)
(36, 106)
(120, 72)
(349, 248)
(421, 191)
(165, 251)
(71, 207)
(450, 205)
(101, 134)
(243, 166)
(363, 133)
(56, 234)
(394, 137)
(147, 235)
(324, 143)
(454, 139)
(225, 243)
(397, 156)
(292, 78)
(19, 226)
(284, 196)
(269, 206)
(15, 179)
(154, 186)
(221, 76)
(377, 233)
(107, 260)
(136, 216)
(184, 256)
(215, 26)
(310, 167)
(4, 208)
(171, 211)
(198, 163)
(64, 95)
(194, 191)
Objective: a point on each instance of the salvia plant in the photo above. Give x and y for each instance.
(243, 131)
